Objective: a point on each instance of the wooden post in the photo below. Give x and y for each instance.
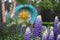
(14, 5)
(12, 8)
(3, 12)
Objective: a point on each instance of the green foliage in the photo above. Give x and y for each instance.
(48, 5)
(11, 33)
(44, 4)
(12, 30)
(22, 1)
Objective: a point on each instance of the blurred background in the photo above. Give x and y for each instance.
(47, 8)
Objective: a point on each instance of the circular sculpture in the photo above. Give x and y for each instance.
(25, 12)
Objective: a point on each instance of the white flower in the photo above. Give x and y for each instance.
(51, 28)
(5, 0)
(51, 33)
(10, 1)
(39, 17)
(58, 36)
(45, 32)
(28, 30)
(56, 17)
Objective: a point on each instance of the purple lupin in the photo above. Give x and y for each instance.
(27, 34)
(58, 37)
(45, 35)
(51, 36)
(56, 27)
(37, 29)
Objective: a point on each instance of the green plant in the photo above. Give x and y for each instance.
(21, 1)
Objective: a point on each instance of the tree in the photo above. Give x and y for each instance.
(3, 12)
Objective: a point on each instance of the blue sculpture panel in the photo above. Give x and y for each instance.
(30, 8)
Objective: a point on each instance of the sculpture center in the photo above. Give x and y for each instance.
(24, 15)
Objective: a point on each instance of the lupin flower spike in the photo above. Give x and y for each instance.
(37, 30)
(56, 19)
(51, 37)
(27, 34)
(45, 35)
(56, 27)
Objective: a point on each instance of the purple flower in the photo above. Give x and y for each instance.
(56, 27)
(37, 29)
(45, 35)
(51, 36)
(58, 37)
(27, 34)
(56, 22)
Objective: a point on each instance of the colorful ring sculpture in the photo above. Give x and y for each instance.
(31, 9)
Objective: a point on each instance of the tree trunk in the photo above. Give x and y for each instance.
(3, 12)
